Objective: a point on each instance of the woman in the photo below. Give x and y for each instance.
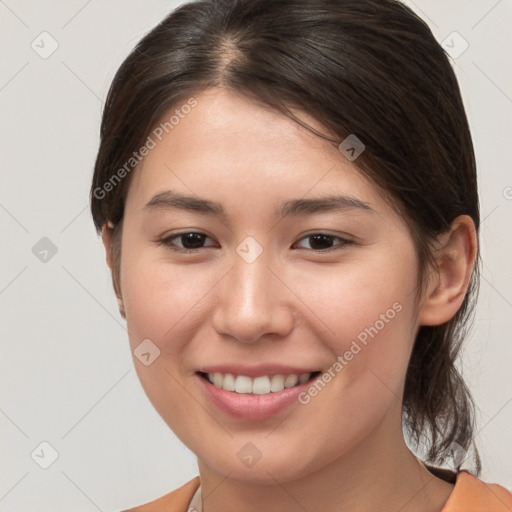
(287, 195)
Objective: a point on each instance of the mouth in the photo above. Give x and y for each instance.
(253, 399)
(262, 385)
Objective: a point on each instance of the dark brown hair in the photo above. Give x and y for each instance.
(366, 67)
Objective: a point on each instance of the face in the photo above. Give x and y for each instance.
(258, 276)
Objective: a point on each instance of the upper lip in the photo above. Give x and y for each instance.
(254, 371)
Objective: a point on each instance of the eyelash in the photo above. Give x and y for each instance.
(168, 242)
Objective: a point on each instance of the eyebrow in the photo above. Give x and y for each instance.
(169, 199)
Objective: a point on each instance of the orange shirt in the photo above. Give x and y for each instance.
(469, 495)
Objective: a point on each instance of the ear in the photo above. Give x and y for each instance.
(107, 232)
(106, 235)
(455, 256)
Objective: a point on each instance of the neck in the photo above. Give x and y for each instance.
(379, 474)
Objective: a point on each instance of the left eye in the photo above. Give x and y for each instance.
(323, 242)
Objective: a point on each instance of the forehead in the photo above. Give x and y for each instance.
(235, 150)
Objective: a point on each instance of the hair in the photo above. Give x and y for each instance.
(366, 67)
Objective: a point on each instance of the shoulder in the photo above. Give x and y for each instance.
(473, 495)
(175, 501)
(469, 495)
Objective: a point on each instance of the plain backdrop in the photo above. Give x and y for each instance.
(66, 373)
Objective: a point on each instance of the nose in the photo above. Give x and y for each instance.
(252, 302)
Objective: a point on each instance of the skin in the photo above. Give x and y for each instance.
(292, 305)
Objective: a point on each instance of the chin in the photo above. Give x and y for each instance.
(280, 466)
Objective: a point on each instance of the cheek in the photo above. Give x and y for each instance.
(366, 316)
(161, 300)
(364, 298)
(163, 304)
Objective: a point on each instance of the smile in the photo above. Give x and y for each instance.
(258, 386)
(254, 398)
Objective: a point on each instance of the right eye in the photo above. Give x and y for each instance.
(190, 241)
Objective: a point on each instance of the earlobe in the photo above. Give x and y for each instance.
(455, 258)
(120, 304)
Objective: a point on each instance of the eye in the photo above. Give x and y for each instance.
(324, 242)
(193, 241)
(188, 242)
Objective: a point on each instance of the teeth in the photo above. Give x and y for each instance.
(258, 386)
(229, 382)
(243, 384)
(218, 379)
(290, 381)
(304, 377)
(261, 386)
(277, 383)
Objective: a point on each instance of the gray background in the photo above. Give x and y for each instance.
(66, 373)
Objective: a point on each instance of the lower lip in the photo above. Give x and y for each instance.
(253, 407)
